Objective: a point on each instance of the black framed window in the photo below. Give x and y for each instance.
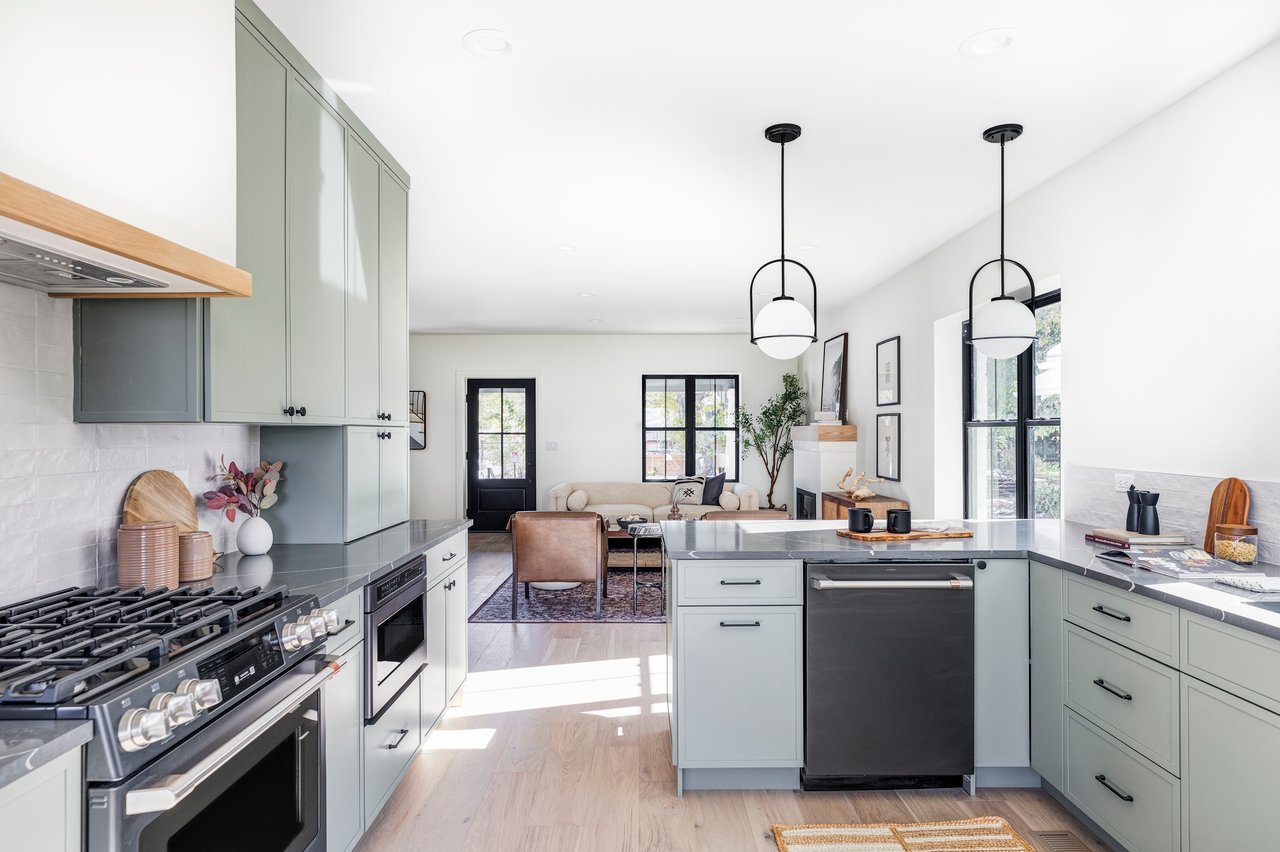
(1013, 424)
(690, 427)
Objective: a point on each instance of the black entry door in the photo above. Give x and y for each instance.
(501, 474)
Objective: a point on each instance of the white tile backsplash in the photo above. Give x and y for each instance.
(62, 483)
(1090, 497)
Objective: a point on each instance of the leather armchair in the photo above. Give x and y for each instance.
(558, 547)
(752, 515)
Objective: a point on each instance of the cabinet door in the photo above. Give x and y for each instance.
(316, 201)
(434, 679)
(41, 811)
(456, 624)
(1047, 672)
(363, 451)
(393, 460)
(740, 686)
(389, 745)
(1002, 671)
(393, 272)
(1230, 750)
(246, 360)
(343, 750)
(362, 283)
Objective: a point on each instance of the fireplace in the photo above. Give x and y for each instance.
(806, 505)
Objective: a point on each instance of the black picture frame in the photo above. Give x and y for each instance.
(835, 370)
(889, 447)
(889, 371)
(417, 420)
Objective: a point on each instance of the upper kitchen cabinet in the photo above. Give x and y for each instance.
(363, 288)
(393, 255)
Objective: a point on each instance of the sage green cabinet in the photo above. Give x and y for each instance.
(363, 287)
(393, 275)
(42, 811)
(456, 625)
(1002, 673)
(363, 491)
(1048, 672)
(343, 750)
(434, 678)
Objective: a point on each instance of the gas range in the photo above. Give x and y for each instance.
(149, 668)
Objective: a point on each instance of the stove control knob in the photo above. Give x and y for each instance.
(331, 620)
(297, 635)
(178, 709)
(140, 728)
(205, 693)
(319, 627)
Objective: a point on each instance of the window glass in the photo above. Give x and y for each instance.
(1047, 361)
(690, 426)
(993, 472)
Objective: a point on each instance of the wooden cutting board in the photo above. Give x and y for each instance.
(911, 536)
(1228, 505)
(158, 495)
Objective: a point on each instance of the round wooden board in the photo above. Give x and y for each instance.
(158, 495)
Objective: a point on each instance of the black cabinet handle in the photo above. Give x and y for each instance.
(290, 411)
(344, 628)
(739, 624)
(451, 556)
(1118, 693)
(739, 582)
(982, 566)
(302, 411)
(1111, 613)
(1119, 794)
(403, 732)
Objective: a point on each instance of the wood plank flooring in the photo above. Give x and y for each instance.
(561, 744)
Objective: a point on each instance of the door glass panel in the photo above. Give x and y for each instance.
(490, 410)
(513, 457)
(513, 410)
(716, 453)
(995, 387)
(993, 472)
(1046, 471)
(1047, 374)
(715, 402)
(490, 466)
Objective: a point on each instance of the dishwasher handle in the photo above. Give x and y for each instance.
(955, 583)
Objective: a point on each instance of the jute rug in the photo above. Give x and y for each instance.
(578, 604)
(985, 834)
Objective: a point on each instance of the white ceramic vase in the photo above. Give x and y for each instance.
(254, 536)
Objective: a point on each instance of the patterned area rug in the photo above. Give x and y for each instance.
(986, 834)
(578, 604)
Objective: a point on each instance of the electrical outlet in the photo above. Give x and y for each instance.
(1123, 481)
(552, 446)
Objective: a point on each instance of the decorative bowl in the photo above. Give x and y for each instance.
(625, 522)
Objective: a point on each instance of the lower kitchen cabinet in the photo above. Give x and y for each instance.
(1047, 672)
(390, 744)
(344, 724)
(1002, 675)
(41, 812)
(456, 621)
(446, 644)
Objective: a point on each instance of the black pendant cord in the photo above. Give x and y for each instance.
(782, 217)
(1002, 293)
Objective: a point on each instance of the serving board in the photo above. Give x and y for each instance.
(1228, 505)
(158, 495)
(911, 536)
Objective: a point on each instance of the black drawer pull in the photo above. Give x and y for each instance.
(403, 732)
(450, 557)
(1120, 794)
(1118, 693)
(739, 624)
(344, 628)
(739, 582)
(1111, 613)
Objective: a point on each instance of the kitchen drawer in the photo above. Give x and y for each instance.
(350, 622)
(1125, 694)
(446, 556)
(727, 582)
(1148, 627)
(1141, 807)
(1240, 661)
(389, 745)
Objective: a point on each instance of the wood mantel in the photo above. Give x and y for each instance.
(825, 433)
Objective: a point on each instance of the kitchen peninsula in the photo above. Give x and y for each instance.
(1167, 690)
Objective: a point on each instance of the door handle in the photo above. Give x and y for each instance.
(290, 411)
(1118, 693)
(822, 584)
(302, 411)
(1119, 794)
(403, 732)
(1111, 613)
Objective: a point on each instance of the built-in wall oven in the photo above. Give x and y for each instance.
(395, 635)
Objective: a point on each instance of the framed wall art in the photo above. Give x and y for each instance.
(888, 379)
(835, 354)
(888, 448)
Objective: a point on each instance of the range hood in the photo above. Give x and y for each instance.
(54, 245)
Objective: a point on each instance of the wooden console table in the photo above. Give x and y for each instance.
(836, 505)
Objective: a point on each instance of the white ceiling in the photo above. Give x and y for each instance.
(633, 130)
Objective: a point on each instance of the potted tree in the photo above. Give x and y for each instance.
(769, 431)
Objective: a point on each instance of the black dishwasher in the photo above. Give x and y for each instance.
(888, 675)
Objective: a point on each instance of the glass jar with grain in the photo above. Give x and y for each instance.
(1236, 543)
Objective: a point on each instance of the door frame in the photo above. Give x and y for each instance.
(460, 431)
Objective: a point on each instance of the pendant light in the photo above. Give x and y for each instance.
(1002, 327)
(783, 328)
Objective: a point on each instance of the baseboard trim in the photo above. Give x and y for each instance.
(1007, 776)
(785, 778)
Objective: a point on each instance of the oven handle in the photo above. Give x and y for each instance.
(177, 787)
(822, 584)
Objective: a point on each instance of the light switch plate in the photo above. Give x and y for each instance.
(553, 445)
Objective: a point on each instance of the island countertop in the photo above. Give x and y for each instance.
(1059, 544)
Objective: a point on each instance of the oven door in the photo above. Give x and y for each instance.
(251, 780)
(395, 647)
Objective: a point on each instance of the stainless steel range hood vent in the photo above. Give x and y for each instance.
(62, 248)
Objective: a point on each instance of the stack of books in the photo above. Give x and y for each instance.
(1123, 540)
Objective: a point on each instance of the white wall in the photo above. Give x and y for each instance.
(588, 402)
(127, 107)
(1165, 243)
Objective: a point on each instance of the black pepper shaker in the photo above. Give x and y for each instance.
(1135, 510)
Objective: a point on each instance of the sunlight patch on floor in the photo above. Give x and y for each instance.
(459, 739)
(561, 685)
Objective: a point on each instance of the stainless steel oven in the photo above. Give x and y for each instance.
(395, 644)
(252, 780)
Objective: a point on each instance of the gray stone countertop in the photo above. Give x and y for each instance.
(26, 746)
(328, 571)
(1056, 543)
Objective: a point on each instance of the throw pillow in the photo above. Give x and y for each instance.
(711, 490)
(687, 491)
(730, 501)
(577, 501)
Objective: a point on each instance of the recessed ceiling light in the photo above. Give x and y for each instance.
(595, 320)
(988, 42)
(487, 44)
(586, 295)
(566, 247)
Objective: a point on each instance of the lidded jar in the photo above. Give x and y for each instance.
(1236, 543)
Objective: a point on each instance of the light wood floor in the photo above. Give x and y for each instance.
(561, 743)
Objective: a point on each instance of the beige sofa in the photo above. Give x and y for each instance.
(651, 500)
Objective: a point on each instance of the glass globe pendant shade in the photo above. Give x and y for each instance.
(784, 329)
(1002, 328)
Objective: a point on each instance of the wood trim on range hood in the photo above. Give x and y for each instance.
(38, 217)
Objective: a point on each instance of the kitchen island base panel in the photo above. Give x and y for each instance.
(1007, 777)
(786, 778)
